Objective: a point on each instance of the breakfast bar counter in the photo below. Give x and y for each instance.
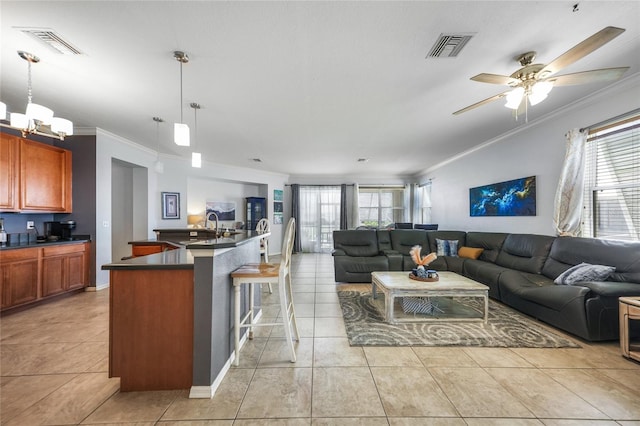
(171, 315)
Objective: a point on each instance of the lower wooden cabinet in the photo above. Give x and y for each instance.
(32, 274)
(63, 268)
(19, 277)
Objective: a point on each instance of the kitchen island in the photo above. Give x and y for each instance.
(171, 315)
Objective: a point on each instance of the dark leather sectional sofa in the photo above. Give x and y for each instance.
(519, 270)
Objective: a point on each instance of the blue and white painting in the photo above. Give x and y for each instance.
(511, 198)
(226, 210)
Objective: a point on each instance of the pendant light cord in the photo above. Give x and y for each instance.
(181, 114)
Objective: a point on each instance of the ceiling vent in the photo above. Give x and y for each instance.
(52, 39)
(449, 45)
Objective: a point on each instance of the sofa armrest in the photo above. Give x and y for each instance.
(611, 288)
(338, 252)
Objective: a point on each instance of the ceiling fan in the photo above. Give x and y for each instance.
(533, 82)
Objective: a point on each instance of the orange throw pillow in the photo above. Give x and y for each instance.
(470, 252)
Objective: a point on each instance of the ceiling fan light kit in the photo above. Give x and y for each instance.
(37, 119)
(532, 83)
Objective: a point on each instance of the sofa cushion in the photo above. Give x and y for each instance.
(538, 289)
(569, 251)
(491, 242)
(356, 243)
(470, 252)
(432, 236)
(525, 252)
(485, 272)
(402, 240)
(446, 247)
(584, 272)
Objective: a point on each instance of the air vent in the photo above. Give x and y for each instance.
(52, 39)
(449, 45)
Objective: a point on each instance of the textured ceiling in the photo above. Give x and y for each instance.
(308, 87)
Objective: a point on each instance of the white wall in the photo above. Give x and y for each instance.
(534, 149)
(176, 176)
(201, 190)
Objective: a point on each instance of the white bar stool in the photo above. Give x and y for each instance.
(267, 273)
(262, 227)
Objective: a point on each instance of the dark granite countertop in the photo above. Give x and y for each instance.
(182, 258)
(34, 244)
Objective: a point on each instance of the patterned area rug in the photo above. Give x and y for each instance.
(506, 327)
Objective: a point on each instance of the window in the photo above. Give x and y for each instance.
(319, 217)
(612, 181)
(381, 206)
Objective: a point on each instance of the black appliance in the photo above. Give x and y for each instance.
(63, 230)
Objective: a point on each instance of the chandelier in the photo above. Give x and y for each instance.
(37, 119)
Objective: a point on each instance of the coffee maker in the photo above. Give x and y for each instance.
(62, 230)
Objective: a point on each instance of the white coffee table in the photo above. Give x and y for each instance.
(450, 285)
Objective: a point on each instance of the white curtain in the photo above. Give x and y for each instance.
(355, 213)
(407, 203)
(319, 217)
(567, 214)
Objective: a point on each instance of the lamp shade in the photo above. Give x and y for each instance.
(194, 219)
(19, 121)
(181, 134)
(539, 92)
(3, 111)
(196, 159)
(514, 98)
(39, 112)
(61, 126)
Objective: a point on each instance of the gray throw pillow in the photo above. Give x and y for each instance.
(584, 272)
(446, 247)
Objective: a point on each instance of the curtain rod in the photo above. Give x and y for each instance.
(616, 118)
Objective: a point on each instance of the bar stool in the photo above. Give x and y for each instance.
(267, 273)
(262, 227)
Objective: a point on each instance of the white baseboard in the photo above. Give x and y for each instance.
(209, 391)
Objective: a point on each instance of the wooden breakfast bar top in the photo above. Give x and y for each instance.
(171, 316)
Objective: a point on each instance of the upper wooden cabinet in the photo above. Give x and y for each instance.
(9, 161)
(37, 178)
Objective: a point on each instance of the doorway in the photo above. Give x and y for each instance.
(129, 206)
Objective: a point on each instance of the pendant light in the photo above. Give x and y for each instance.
(196, 157)
(158, 165)
(181, 130)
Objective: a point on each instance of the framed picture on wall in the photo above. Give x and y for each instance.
(171, 205)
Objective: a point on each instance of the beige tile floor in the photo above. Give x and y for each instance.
(54, 364)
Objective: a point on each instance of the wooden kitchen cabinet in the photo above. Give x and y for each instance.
(28, 275)
(34, 177)
(64, 268)
(19, 277)
(9, 161)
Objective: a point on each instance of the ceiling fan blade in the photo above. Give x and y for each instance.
(496, 79)
(593, 76)
(581, 50)
(477, 104)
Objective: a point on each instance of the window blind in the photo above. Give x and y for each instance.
(612, 181)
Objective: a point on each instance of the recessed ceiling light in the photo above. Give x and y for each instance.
(363, 160)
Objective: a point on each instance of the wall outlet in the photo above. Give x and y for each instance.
(105, 223)
(30, 224)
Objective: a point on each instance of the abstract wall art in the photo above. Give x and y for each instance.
(511, 198)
